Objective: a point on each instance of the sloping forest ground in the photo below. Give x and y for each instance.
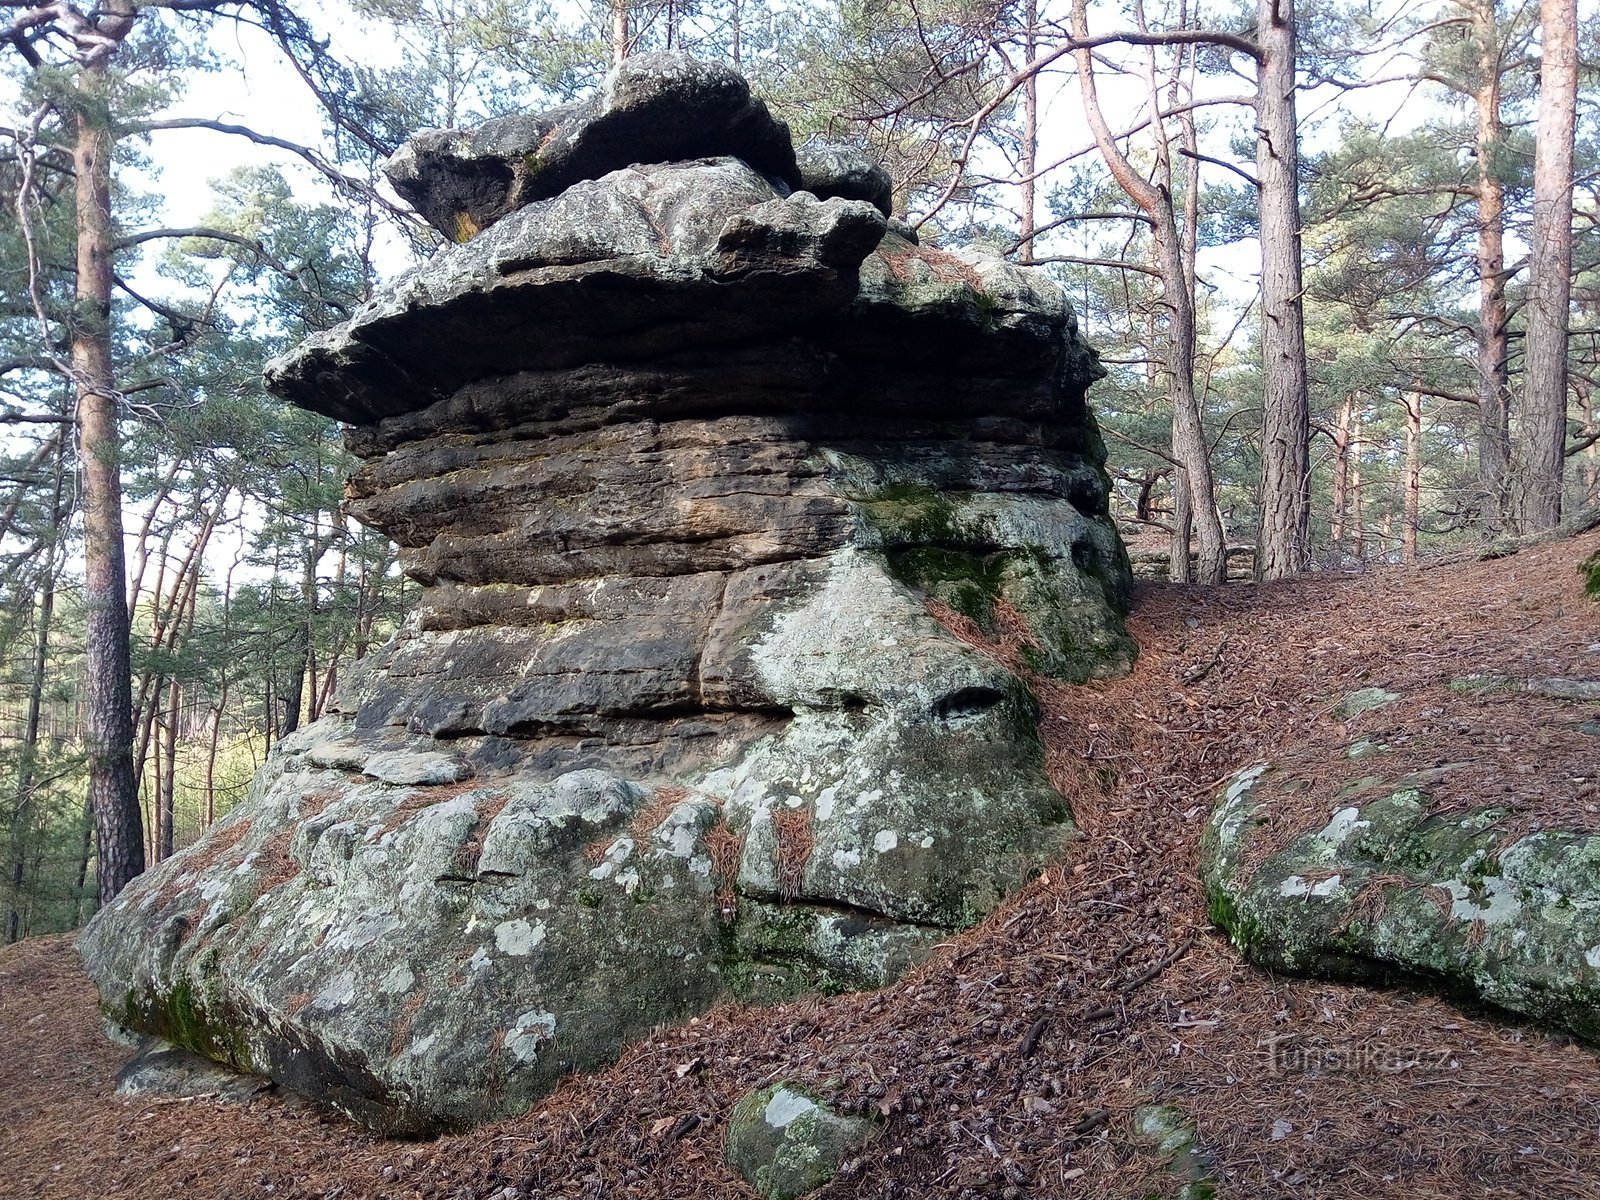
(1011, 1064)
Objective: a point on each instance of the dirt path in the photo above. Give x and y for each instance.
(1010, 1065)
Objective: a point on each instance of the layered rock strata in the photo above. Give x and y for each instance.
(685, 464)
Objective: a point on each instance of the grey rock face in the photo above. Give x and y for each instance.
(686, 469)
(653, 108)
(1387, 891)
(829, 169)
(158, 1068)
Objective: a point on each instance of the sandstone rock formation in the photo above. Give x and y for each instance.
(1391, 890)
(680, 459)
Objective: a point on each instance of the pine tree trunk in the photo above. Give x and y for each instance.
(1591, 433)
(621, 34)
(85, 853)
(1188, 434)
(1341, 472)
(169, 775)
(1180, 566)
(1544, 404)
(1411, 501)
(28, 751)
(1358, 516)
(1030, 132)
(1494, 355)
(1282, 547)
(1189, 445)
(108, 688)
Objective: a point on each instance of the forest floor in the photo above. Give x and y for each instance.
(1011, 1063)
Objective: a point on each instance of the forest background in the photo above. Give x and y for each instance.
(1342, 265)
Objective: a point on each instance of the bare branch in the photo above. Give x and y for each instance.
(1114, 263)
(1122, 437)
(1217, 162)
(350, 183)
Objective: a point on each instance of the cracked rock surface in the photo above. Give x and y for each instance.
(693, 471)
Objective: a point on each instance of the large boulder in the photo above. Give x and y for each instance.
(787, 1143)
(1392, 890)
(696, 478)
(652, 108)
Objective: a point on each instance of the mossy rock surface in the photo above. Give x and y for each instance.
(1167, 1130)
(1388, 891)
(786, 1143)
(680, 459)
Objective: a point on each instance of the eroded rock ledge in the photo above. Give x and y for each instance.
(680, 458)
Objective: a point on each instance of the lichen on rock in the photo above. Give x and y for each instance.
(681, 458)
(1390, 891)
(786, 1143)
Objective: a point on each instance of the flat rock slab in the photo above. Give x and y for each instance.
(1388, 892)
(161, 1069)
(653, 108)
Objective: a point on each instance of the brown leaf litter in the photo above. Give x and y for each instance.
(1011, 1064)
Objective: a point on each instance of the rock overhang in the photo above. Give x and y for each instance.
(694, 470)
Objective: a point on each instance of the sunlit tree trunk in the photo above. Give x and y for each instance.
(113, 788)
(621, 31)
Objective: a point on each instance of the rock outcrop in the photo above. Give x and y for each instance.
(686, 465)
(1391, 889)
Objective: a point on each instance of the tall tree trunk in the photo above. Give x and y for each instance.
(621, 31)
(1282, 547)
(1494, 355)
(85, 853)
(28, 751)
(1544, 403)
(1188, 433)
(1411, 486)
(108, 687)
(169, 774)
(1341, 472)
(1180, 564)
(1358, 515)
(150, 792)
(1591, 434)
(1029, 163)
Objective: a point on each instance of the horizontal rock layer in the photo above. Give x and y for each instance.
(696, 478)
